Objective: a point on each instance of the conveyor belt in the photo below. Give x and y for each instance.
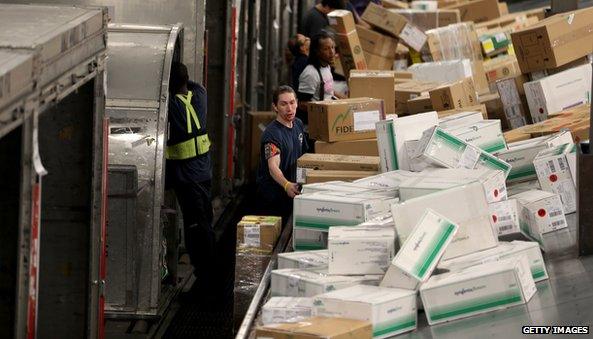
(564, 299)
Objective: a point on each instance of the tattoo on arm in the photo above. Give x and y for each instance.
(271, 150)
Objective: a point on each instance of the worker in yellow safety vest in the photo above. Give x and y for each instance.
(189, 171)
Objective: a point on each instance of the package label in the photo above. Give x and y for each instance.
(251, 235)
(365, 121)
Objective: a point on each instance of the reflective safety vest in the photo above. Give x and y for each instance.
(197, 145)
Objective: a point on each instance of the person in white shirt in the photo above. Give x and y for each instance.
(316, 82)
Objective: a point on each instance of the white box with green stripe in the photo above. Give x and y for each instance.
(306, 239)
(486, 135)
(464, 205)
(291, 282)
(477, 289)
(504, 250)
(437, 179)
(387, 180)
(308, 259)
(554, 168)
(449, 151)
(319, 211)
(421, 252)
(392, 134)
(460, 119)
(521, 155)
(391, 311)
(286, 309)
(360, 250)
(541, 212)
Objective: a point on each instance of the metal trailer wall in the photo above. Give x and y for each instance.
(140, 58)
(52, 138)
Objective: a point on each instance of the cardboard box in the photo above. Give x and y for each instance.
(485, 134)
(438, 179)
(558, 92)
(326, 162)
(291, 282)
(317, 328)
(429, 19)
(347, 119)
(479, 108)
(501, 68)
(460, 119)
(419, 104)
(391, 311)
(464, 205)
(257, 124)
(360, 250)
(319, 211)
(320, 176)
(258, 233)
(426, 244)
(350, 50)
(504, 8)
(352, 147)
(459, 94)
(555, 41)
(554, 168)
(505, 216)
(454, 42)
(479, 77)
(513, 100)
(516, 135)
(394, 24)
(442, 71)
(391, 135)
(308, 259)
(495, 42)
(522, 154)
(449, 151)
(478, 10)
(395, 4)
(374, 84)
(504, 250)
(410, 90)
(351, 53)
(477, 289)
(342, 21)
(377, 62)
(541, 212)
(306, 239)
(286, 310)
(373, 42)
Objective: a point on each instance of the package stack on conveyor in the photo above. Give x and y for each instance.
(455, 223)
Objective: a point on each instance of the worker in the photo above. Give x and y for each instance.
(317, 82)
(300, 52)
(189, 172)
(316, 20)
(282, 143)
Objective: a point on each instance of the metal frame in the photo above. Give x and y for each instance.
(150, 114)
(55, 80)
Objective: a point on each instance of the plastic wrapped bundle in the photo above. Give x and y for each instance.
(457, 41)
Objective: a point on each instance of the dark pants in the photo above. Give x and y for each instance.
(196, 206)
(280, 206)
